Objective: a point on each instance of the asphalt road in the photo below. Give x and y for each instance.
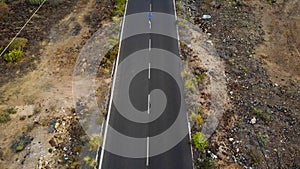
(147, 120)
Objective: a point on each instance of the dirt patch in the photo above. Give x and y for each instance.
(280, 50)
(35, 32)
(45, 93)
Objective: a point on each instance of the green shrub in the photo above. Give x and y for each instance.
(95, 141)
(197, 118)
(20, 147)
(185, 74)
(88, 160)
(4, 9)
(13, 56)
(11, 110)
(20, 143)
(5, 115)
(263, 139)
(200, 77)
(18, 43)
(264, 116)
(199, 141)
(189, 84)
(110, 57)
(36, 2)
(119, 8)
(99, 120)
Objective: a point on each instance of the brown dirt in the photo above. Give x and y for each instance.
(281, 24)
(36, 31)
(46, 83)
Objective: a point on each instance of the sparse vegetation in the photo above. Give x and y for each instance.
(95, 141)
(257, 156)
(30, 127)
(99, 120)
(119, 8)
(245, 69)
(13, 56)
(263, 139)
(18, 44)
(109, 58)
(206, 163)
(90, 161)
(271, 1)
(178, 8)
(5, 115)
(185, 74)
(36, 110)
(22, 141)
(264, 116)
(200, 77)
(197, 119)
(231, 62)
(199, 141)
(14, 52)
(189, 84)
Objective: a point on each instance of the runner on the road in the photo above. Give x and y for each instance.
(150, 15)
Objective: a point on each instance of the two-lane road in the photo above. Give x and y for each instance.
(147, 113)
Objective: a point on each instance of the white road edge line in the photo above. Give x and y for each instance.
(187, 117)
(113, 88)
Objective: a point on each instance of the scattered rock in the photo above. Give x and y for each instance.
(253, 120)
(206, 16)
(52, 128)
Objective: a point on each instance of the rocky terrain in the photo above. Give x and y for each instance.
(259, 43)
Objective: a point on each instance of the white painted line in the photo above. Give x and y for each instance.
(190, 135)
(148, 103)
(147, 159)
(113, 88)
(149, 44)
(174, 4)
(176, 20)
(150, 24)
(149, 71)
(150, 7)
